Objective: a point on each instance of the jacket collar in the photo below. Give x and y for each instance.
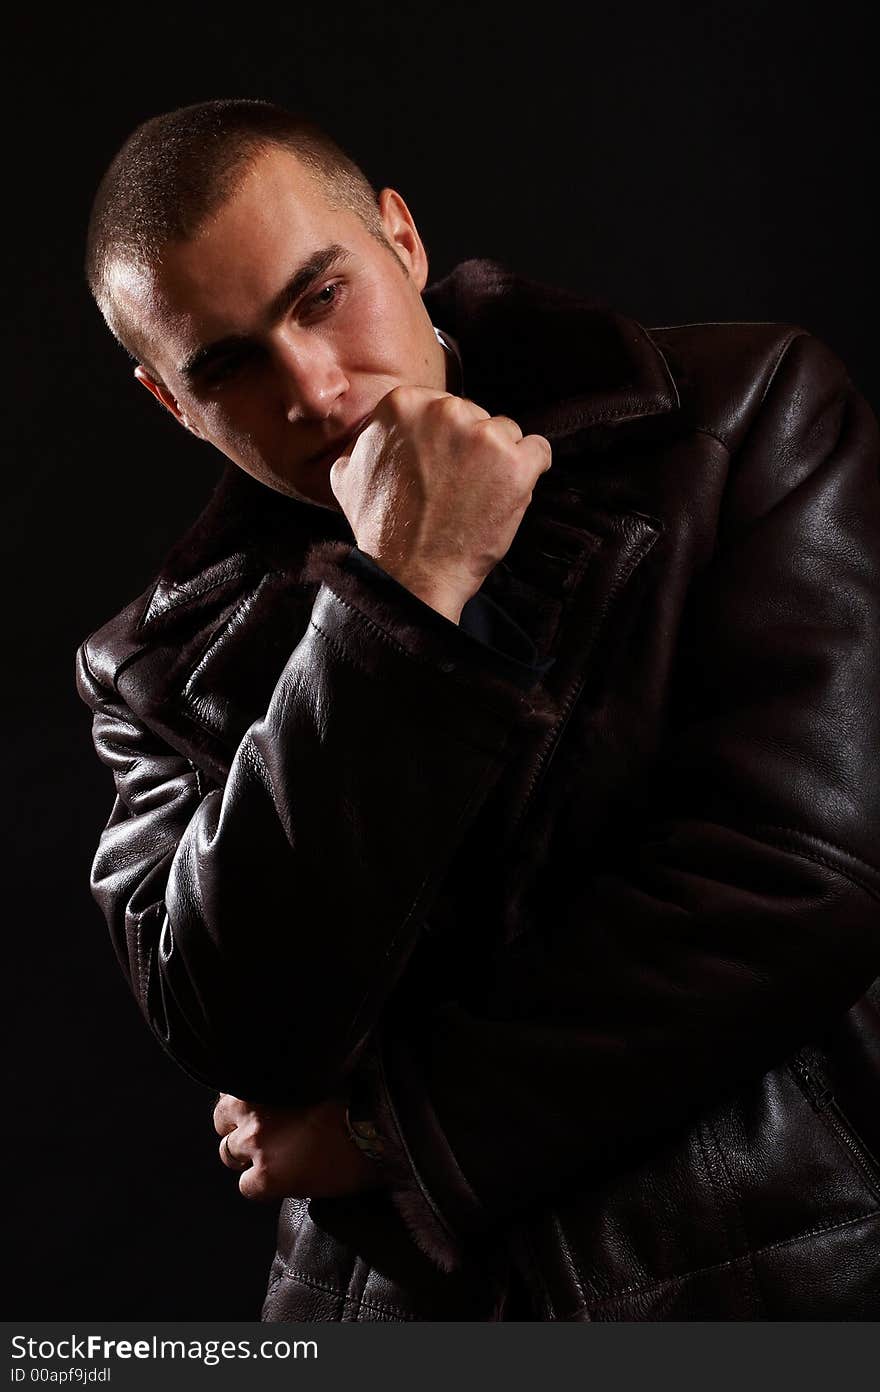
(562, 365)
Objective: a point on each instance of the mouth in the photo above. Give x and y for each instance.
(340, 446)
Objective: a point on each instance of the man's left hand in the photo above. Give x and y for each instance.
(302, 1152)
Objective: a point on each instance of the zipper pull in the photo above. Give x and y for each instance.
(820, 1094)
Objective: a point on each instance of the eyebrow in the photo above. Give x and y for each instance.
(328, 258)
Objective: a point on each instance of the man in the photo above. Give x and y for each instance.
(496, 760)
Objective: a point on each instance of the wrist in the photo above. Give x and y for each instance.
(445, 599)
(449, 606)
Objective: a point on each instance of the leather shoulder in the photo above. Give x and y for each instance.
(169, 620)
(723, 370)
(103, 654)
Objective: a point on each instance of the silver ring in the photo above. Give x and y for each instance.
(234, 1163)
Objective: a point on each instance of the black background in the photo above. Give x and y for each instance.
(678, 162)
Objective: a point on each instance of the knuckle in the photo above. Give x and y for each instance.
(458, 408)
(540, 446)
(472, 409)
(444, 406)
(403, 399)
(503, 426)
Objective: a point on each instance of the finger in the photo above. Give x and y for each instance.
(230, 1158)
(508, 424)
(254, 1184)
(223, 1119)
(540, 447)
(229, 1113)
(221, 1123)
(460, 408)
(337, 477)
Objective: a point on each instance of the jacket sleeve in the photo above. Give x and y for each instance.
(737, 917)
(506, 644)
(261, 925)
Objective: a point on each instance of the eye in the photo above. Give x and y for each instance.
(325, 298)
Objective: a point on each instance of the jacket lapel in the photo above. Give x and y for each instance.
(560, 363)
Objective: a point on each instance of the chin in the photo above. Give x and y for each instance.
(282, 485)
(327, 500)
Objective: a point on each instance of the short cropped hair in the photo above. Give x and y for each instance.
(178, 168)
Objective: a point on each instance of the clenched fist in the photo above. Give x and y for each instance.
(434, 489)
(300, 1151)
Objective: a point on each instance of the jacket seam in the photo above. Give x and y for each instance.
(105, 699)
(340, 652)
(798, 849)
(823, 841)
(831, 864)
(786, 345)
(404, 652)
(137, 948)
(685, 1276)
(713, 435)
(178, 595)
(420, 1186)
(214, 638)
(110, 695)
(783, 353)
(805, 854)
(200, 792)
(290, 1274)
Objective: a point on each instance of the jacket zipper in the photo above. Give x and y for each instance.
(827, 1106)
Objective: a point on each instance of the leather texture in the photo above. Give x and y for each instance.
(599, 954)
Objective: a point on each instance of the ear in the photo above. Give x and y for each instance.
(402, 233)
(163, 395)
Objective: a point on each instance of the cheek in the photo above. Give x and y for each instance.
(241, 433)
(377, 332)
(239, 416)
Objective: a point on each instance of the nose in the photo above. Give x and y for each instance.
(311, 379)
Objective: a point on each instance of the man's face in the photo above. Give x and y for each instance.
(282, 323)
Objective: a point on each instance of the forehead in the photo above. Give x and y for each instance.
(218, 281)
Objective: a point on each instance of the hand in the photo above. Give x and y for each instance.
(434, 489)
(304, 1152)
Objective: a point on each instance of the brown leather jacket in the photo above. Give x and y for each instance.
(598, 955)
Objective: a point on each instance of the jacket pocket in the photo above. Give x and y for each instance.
(812, 1077)
(735, 1219)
